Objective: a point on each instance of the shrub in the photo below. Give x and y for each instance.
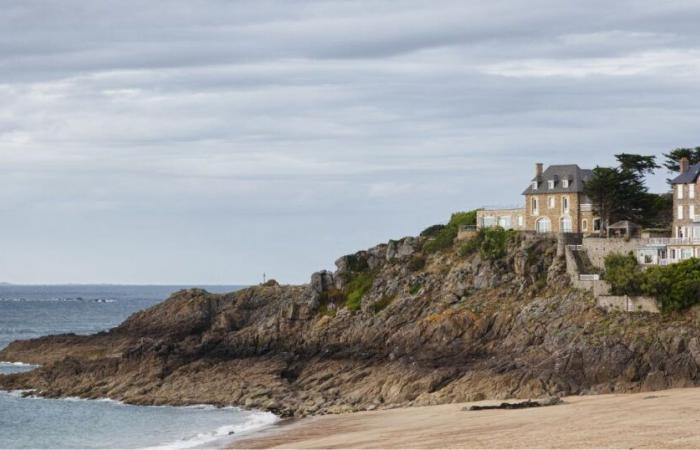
(472, 245)
(676, 286)
(494, 243)
(358, 286)
(432, 230)
(444, 238)
(623, 273)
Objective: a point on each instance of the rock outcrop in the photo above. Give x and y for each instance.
(392, 326)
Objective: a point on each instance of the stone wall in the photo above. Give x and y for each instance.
(599, 248)
(597, 287)
(516, 217)
(626, 303)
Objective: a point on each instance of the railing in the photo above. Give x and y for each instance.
(673, 241)
(577, 248)
(502, 207)
(467, 228)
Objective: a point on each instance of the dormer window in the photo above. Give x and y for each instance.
(565, 184)
(534, 185)
(550, 184)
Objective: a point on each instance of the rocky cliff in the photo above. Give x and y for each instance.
(393, 325)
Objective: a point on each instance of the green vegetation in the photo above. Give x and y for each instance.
(623, 273)
(676, 287)
(673, 158)
(358, 286)
(415, 288)
(443, 238)
(495, 243)
(620, 193)
(492, 243)
(432, 230)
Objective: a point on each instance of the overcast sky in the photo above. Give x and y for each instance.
(205, 141)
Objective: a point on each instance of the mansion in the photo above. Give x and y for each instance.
(555, 202)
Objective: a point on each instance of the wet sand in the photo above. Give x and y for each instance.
(664, 419)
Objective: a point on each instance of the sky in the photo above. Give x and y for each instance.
(212, 141)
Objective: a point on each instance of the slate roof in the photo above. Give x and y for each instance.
(572, 172)
(688, 177)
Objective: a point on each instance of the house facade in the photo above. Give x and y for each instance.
(555, 201)
(685, 242)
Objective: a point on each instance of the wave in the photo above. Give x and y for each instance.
(255, 422)
(17, 364)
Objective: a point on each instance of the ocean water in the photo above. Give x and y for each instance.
(30, 422)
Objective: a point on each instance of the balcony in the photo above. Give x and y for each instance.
(673, 241)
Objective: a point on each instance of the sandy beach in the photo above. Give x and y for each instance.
(664, 419)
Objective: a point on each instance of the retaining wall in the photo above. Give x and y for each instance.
(627, 304)
(599, 248)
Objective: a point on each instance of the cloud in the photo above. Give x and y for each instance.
(235, 137)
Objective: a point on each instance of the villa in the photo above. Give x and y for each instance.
(554, 203)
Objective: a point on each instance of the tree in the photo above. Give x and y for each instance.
(602, 190)
(620, 193)
(673, 158)
(623, 273)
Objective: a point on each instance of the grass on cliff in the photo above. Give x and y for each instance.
(442, 237)
(491, 243)
(358, 286)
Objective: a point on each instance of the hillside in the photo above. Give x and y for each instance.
(404, 323)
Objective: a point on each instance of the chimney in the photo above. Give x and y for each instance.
(538, 170)
(684, 164)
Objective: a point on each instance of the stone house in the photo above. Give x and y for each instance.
(555, 202)
(685, 242)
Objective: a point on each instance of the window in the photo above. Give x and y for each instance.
(534, 205)
(584, 225)
(679, 189)
(565, 204)
(596, 224)
(550, 184)
(534, 185)
(565, 184)
(673, 253)
(543, 225)
(680, 211)
(565, 224)
(691, 191)
(686, 253)
(520, 221)
(552, 202)
(691, 212)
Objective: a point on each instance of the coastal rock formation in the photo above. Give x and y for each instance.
(395, 325)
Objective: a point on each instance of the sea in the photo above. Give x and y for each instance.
(29, 422)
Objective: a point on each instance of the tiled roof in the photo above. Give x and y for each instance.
(557, 173)
(688, 177)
